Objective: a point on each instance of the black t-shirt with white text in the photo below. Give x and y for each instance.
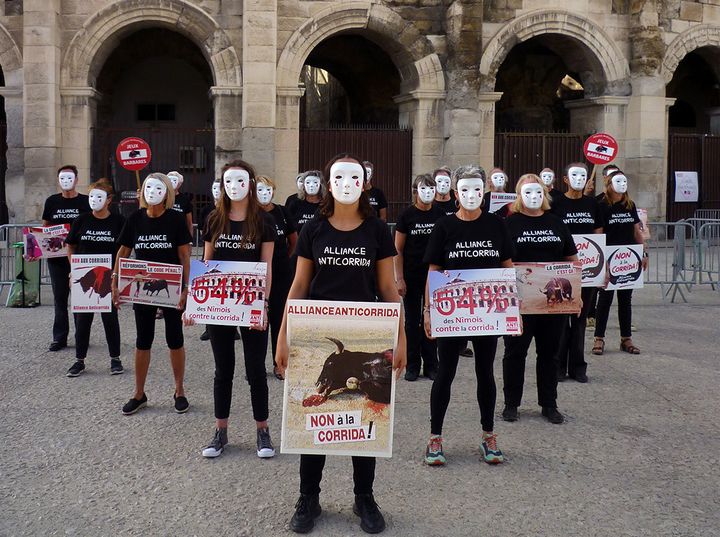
(96, 236)
(377, 200)
(156, 239)
(478, 244)
(183, 203)
(59, 210)
(302, 212)
(539, 239)
(619, 222)
(417, 225)
(345, 261)
(581, 215)
(284, 227)
(229, 245)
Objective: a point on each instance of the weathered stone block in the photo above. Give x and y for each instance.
(691, 11)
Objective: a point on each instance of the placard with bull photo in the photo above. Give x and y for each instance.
(548, 288)
(91, 283)
(339, 385)
(624, 266)
(474, 302)
(150, 283)
(228, 293)
(45, 241)
(591, 253)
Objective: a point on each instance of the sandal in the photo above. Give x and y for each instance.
(598, 346)
(627, 346)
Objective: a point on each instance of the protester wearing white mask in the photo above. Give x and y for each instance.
(376, 197)
(537, 236)
(183, 200)
(498, 182)
(472, 238)
(412, 233)
(547, 176)
(314, 190)
(62, 208)
(216, 190)
(445, 197)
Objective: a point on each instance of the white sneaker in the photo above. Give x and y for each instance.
(265, 449)
(217, 446)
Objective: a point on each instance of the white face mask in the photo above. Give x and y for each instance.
(532, 195)
(498, 180)
(426, 193)
(470, 193)
(619, 183)
(216, 192)
(67, 180)
(155, 191)
(368, 171)
(577, 177)
(97, 199)
(346, 180)
(312, 185)
(299, 183)
(443, 184)
(547, 178)
(176, 180)
(237, 183)
(264, 193)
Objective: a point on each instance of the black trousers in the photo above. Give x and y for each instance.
(59, 269)
(222, 340)
(605, 300)
(420, 349)
(571, 356)
(448, 355)
(145, 326)
(311, 469)
(83, 324)
(276, 305)
(546, 329)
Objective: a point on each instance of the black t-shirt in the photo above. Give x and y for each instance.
(555, 194)
(502, 212)
(291, 200)
(204, 216)
(156, 239)
(284, 227)
(345, 261)
(448, 207)
(539, 239)
(479, 244)
(377, 200)
(183, 203)
(417, 226)
(302, 212)
(229, 246)
(581, 215)
(91, 235)
(59, 210)
(619, 222)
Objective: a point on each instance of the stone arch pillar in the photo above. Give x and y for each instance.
(12, 67)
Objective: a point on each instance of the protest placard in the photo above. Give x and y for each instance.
(228, 293)
(339, 385)
(499, 199)
(624, 266)
(91, 283)
(591, 253)
(686, 187)
(150, 283)
(475, 302)
(45, 241)
(549, 288)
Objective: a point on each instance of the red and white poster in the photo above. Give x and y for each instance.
(600, 148)
(133, 154)
(45, 242)
(624, 266)
(146, 282)
(498, 200)
(91, 283)
(549, 288)
(591, 253)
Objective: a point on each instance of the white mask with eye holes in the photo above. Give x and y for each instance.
(619, 183)
(346, 182)
(154, 191)
(300, 184)
(443, 184)
(426, 193)
(312, 185)
(97, 199)
(369, 173)
(547, 178)
(498, 180)
(470, 193)
(216, 191)
(264, 193)
(577, 177)
(237, 183)
(176, 180)
(532, 195)
(66, 179)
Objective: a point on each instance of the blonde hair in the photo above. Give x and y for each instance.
(169, 196)
(625, 198)
(517, 205)
(264, 179)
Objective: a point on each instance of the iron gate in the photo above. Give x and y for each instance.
(694, 152)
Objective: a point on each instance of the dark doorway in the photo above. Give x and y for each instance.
(4, 215)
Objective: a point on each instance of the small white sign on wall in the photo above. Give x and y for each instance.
(686, 187)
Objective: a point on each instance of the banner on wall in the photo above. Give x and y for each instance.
(686, 187)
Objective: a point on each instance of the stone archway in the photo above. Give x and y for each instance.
(703, 35)
(11, 63)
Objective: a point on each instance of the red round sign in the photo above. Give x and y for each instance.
(133, 154)
(600, 148)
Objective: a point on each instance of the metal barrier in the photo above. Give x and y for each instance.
(697, 223)
(671, 257)
(9, 235)
(707, 214)
(708, 247)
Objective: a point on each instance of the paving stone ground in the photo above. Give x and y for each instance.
(638, 455)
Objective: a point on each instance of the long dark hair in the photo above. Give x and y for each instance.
(327, 205)
(219, 219)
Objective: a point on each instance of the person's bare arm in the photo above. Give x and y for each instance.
(382, 213)
(389, 293)
(399, 261)
(124, 251)
(184, 255)
(188, 219)
(292, 241)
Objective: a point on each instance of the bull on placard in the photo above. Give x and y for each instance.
(153, 287)
(98, 280)
(53, 244)
(556, 290)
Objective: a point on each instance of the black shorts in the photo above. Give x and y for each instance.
(145, 325)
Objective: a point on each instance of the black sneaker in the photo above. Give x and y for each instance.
(217, 445)
(265, 448)
(580, 377)
(431, 374)
(561, 377)
(411, 376)
(181, 404)
(116, 367)
(467, 352)
(76, 369)
(57, 345)
(552, 415)
(371, 519)
(133, 405)
(205, 335)
(307, 509)
(510, 413)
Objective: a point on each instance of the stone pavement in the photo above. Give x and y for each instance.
(638, 455)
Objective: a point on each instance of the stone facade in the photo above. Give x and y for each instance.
(447, 54)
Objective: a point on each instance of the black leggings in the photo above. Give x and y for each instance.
(311, 469)
(448, 354)
(605, 300)
(571, 356)
(145, 325)
(83, 324)
(59, 269)
(276, 305)
(222, 340)
(420, 349)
